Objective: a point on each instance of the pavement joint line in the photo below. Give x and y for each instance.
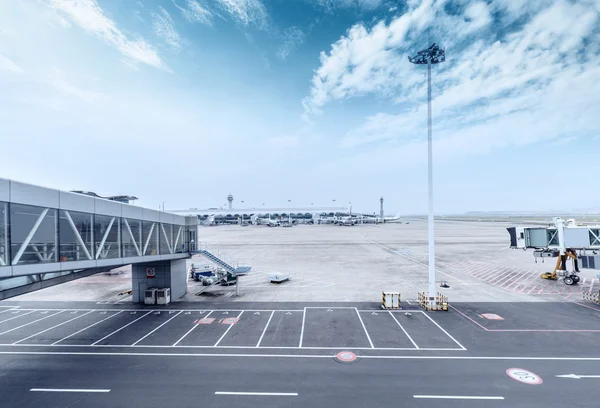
(35, 321)
(190, 330)
(155, 329)
(85, 328)
(14, 317)
(302, 329)
(442, 329)
(265, 329)
(407, 335)
(277, 394)
(363, 326)
(67, 390)
(589, 307)
(53, 327)
(227, 331)
(456, 397)
(121, 328)
(418, 262)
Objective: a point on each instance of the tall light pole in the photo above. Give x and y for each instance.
(432, 55)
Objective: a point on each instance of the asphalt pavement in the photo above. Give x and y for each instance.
(272, 355)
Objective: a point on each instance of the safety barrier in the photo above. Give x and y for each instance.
(390, 300)
(593, 297)
(441, 302)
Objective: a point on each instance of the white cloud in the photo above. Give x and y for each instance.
(195, 12)
(162, 25)
(491, 93)
(88, 15)
(247, 12)
(366, 5)
(292, 38)
(8, 65)
(59, 81)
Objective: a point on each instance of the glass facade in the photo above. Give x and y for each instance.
(132, 237)
(76, 236)
(165, 239)
(150, 237)
(31, 234)
(4, 234)
(107, 235)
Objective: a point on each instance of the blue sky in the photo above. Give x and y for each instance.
(184, 101)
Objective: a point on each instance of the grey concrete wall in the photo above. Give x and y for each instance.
(178, 278)
(169, 274)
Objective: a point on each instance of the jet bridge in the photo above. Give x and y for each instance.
(565, 240)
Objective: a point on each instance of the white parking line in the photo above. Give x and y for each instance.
(85, 328)
(27, 324)
(455, 397)
(278, 394)
(302, 329)
(50, 328)
(405, 332)
(226, 331)
(190, 330)
(14, 317)
(118, 330)
(447, 334)
(265, 329)
(157, 328)
(66, 390)
(365, 329)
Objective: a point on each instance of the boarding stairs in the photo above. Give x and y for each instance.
(213, 254)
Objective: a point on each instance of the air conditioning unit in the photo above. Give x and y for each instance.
(150, 296)
(163, 296)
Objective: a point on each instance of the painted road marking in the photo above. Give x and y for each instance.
(457, 397)
(447, 334)
(156, 329)
(14, 317)
(66, 390)
(491, 316)
(577, 376)
(50, 328)
(346, 356)
(206, 320)
(365, 329)
(410, 338)
(302, 329)
(265, 329)
(231, 320)
(277, 394)
(85, 328)
(189, 331)
(27, 324)
(524, 376)
(121, 328)
(229, 328)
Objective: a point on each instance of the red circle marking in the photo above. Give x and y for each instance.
(524, 376)
(346, 356)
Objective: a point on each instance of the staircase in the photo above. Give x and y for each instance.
(214, 256)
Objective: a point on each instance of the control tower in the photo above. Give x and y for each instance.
(230, 200)
(381, 208)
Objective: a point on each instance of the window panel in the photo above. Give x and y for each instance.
(166, 244)
(4, 234)
(131, 237)
(32, 234)
(75, 236)
(150, 237)
(107, 236)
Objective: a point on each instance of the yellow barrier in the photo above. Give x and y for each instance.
(441, 302)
